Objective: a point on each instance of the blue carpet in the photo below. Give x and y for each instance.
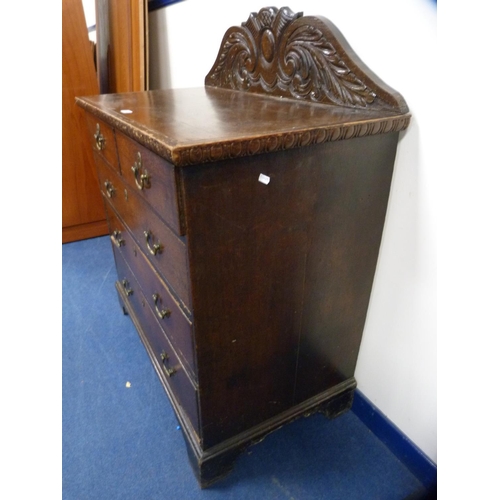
(121, 439)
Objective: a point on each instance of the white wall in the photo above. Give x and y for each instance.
(397, 362)
(90, 18)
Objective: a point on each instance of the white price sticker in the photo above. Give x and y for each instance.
(264, 179)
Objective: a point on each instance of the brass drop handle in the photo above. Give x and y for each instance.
(168, 371)
(126, 287)
(162, 313)
(100, 141)
(156, 248)
(110, 190)
(142, 180)
(116, 238)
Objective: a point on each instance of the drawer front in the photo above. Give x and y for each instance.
(166, 252)
(117, 232)
(175, 324)
(127, 281)
(102, 138)
(168, 365)
(163, 356)
(151, 177)
(121, 237)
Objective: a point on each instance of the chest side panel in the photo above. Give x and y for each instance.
(344, 243)
(282, 250)
(247, 243)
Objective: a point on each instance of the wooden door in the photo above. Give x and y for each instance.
(122, 45)
(122, 55)
(83, 213)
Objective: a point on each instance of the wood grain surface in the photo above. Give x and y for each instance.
(82, 208)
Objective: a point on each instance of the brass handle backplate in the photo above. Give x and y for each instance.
(126, 287)
(100, 141)
(142, 180)
(116, 238)
(162, 313)
(156, 247)
(110, 190)
(168, 371)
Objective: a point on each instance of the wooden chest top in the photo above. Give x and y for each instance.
(199, 125)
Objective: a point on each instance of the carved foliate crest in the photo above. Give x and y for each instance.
(281, 53)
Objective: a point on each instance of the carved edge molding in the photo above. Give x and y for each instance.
(280, 53)
(182, 156)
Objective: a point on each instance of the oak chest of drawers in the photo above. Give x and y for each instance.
(246, 218)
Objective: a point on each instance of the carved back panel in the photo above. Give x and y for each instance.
(280, 53)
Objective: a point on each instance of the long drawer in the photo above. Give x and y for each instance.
(168, 366)
(164, 249)
(176, 325)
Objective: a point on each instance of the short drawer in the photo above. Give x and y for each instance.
(174, 322)
(151, 177)
(103, 141)
(166, 252)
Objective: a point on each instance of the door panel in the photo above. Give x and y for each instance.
(122, 45)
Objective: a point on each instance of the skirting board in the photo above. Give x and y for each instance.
(419, 464)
